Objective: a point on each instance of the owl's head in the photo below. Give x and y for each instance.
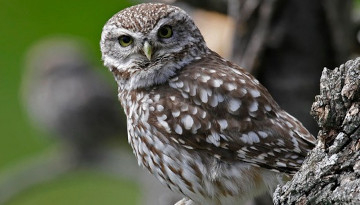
(146, 44)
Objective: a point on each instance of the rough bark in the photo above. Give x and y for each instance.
(331, 173)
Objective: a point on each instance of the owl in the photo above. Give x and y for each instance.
(202, 125)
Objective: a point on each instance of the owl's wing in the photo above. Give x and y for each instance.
(218, 108)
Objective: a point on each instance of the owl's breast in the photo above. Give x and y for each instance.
(159, 127)
(152, 140)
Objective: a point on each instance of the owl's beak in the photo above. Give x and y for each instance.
(147, 50)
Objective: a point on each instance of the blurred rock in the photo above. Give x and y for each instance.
(218, 40)
(67, 98)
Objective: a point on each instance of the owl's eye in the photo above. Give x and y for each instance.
(165, 32)
(125, 40)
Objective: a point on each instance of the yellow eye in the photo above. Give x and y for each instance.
(165, 32)
(125, 41)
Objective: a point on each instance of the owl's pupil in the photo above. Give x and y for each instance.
(126, 39)
(164, 31)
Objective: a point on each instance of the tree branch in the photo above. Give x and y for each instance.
(330, 174)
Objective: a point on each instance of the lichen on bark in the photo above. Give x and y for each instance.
(331, 172)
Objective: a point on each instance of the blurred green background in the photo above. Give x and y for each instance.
(22, 24)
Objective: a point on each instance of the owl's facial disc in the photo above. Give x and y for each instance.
(147, 51)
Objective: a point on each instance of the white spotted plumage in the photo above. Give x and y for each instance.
(202, 125)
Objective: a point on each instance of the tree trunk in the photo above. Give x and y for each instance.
(331, 173)
(286, 43)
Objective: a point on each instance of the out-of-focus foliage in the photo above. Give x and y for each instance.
(357, 3)
(22, 24)
(79, 188)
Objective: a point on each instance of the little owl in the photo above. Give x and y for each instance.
(201, 124)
